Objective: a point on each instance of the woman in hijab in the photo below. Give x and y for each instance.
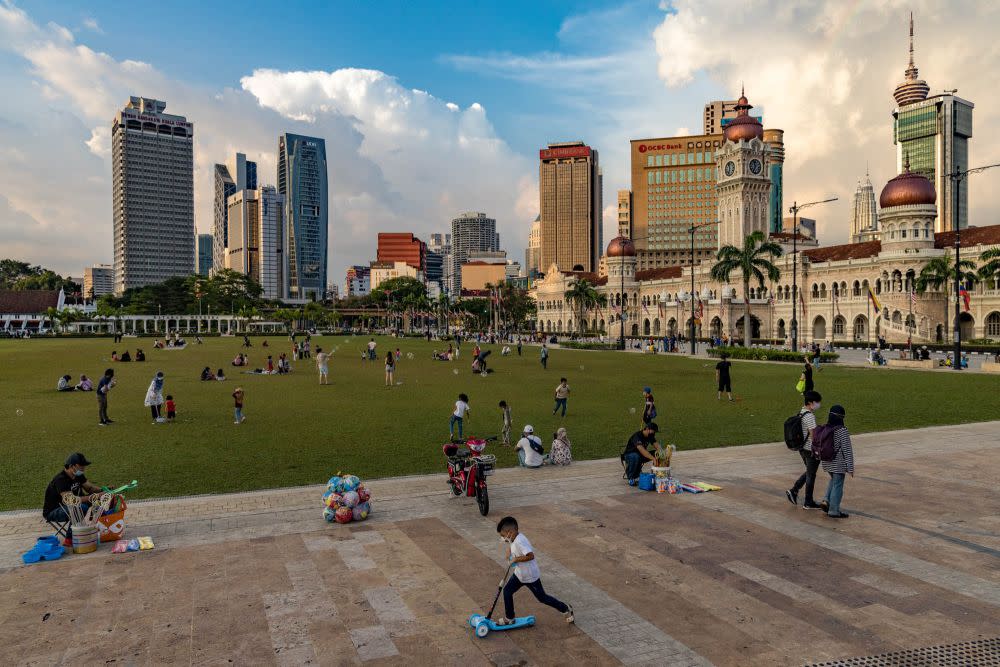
(561, 453)
(154, 397)
(840, 466)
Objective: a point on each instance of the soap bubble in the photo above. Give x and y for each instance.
(455, 371)
(484, 374)
(632, 410)
(581, 367)
(409, 355)
(20, 412)
(399, 383)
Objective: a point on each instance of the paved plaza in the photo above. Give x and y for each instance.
(735, 577)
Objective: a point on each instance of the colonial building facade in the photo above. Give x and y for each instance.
(833, 302)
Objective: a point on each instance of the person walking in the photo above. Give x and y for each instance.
(458, 416)
(507, 420)
(807, 419)
(322, 365)
(390, 368)
(519, 346)
(807, 375)
(722, 377)
(238, 397)
(104, 385)
(840, 466)
(562, 395)
(649, 406)
(371, 349)
(154, 397)
(544, 358)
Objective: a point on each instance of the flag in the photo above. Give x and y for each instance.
(770, 300)
(802, 302)
(913, 299)
(875, 302)
(836, 301)
(701, 310)
(646, 310)
(966, 299)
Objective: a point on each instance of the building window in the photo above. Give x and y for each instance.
(649, 160)
(682, 159)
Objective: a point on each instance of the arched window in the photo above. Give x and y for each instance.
(838, 325)
(857, 288)
(993, 325)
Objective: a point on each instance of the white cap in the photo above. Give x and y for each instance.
(528, 430)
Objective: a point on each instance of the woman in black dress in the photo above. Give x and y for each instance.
(807, 375)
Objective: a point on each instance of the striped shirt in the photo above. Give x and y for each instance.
(843, 460)
(808, 424)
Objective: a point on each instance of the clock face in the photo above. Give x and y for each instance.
(730, 168)
(755, 166)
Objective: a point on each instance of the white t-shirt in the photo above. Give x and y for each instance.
(531, 458)
(461, 407)
(526, 572)
(371, 345)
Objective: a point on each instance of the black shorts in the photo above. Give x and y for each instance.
(726, 384)
(171, 414)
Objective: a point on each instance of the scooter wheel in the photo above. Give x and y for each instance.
(482, 630)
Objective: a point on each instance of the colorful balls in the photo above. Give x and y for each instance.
(350, 499)
(363, 494)
(361, 511)
(334, 483)
(329, 514)
(332, 499)
(349, 483)
(344, 514)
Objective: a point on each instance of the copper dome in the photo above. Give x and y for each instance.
(907, 189)
(621, 247)
(744, 127)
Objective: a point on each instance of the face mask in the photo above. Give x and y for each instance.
(504, 539)
(78, 473)
(816, 408)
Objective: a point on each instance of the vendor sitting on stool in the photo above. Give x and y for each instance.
(639, 450)
(71, 479)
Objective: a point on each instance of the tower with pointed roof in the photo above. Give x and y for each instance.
(864, 215)
(934, 132)
(743, 183)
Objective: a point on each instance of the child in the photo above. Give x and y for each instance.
(238, 398)
(505, 433)
(458, 416)
(270, 365)
(649, 407)
(171, 408)
(398, 354)
(522, 558)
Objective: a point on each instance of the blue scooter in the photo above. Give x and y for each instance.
(484, 624)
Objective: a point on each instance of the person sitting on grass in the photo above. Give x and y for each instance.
(139, 354)
(85, 384)
(638, 450)
(237, 360)
(125, 356)
(206, 374)
(220, 376)
(114, 355)
(70, 479)
(64, 384)
(530, 453)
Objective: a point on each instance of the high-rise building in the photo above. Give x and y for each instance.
(357, 280)
(205, 253)
(933, 134)
(402, 247)
(438, 261)
(383, 271)
(238, 174)
(256, 239)
(302, 179)
(775, 141)
(570, 202)
(673, 188)
(532, 254)
(153, 194)
(720, 113)
(807, 226)
(470, 232)
(625, 213)
(98, 280)
(864, 214)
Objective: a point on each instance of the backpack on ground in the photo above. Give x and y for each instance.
(794, 439)
(823, 443)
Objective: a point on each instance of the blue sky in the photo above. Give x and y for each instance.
(430, 109)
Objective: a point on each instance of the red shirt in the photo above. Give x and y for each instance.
(171, 407)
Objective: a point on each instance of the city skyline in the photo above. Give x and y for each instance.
(405, 159)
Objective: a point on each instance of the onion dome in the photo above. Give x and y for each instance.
(913, 88)
(621, 247)
(907, 189)
(744, 127)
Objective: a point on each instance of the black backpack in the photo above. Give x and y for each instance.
(794, 439)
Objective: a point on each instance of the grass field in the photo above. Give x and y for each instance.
(300, 433)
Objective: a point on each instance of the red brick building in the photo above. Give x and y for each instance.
(402, 247)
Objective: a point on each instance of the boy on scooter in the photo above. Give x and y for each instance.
(520, 555)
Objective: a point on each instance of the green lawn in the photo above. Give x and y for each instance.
(300, 433)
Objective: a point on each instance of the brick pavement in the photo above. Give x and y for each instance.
(737, 577)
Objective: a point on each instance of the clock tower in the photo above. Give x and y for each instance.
(743, 184)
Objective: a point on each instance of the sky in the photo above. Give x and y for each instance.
(432, 109)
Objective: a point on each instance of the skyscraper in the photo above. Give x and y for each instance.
(570, 202)
(720, 113)
(933, 133)
(302, 179)
(775, 141)
(470, 232)
(864, 215)
(238, 174)
(98, 280)
(402, 247)
(256, 238)
(532, 254)
(439, 268)
(153, 194)
(625, 213)
(206, 255)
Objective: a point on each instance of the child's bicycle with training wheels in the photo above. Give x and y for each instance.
(468, 468)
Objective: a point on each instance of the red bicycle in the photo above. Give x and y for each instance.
(468, 468)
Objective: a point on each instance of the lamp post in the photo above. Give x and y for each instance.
(621, 315)
(691, 230)
(957, 177)
(794, 210)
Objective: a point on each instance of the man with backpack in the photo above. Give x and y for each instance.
(799, 437)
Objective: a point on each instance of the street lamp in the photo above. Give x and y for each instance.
(794, 210)
(957, 177)
(692, 229)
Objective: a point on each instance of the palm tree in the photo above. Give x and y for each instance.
(753, 261)
(990, 267)
(940, 271)
(583, 295)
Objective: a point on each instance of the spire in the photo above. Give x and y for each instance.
(911, 72)
(911, 39)
(912, 89)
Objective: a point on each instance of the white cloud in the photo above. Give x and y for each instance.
(399, 159)
(91, 24)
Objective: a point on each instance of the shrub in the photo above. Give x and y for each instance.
(765, 354)
(579, 345)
